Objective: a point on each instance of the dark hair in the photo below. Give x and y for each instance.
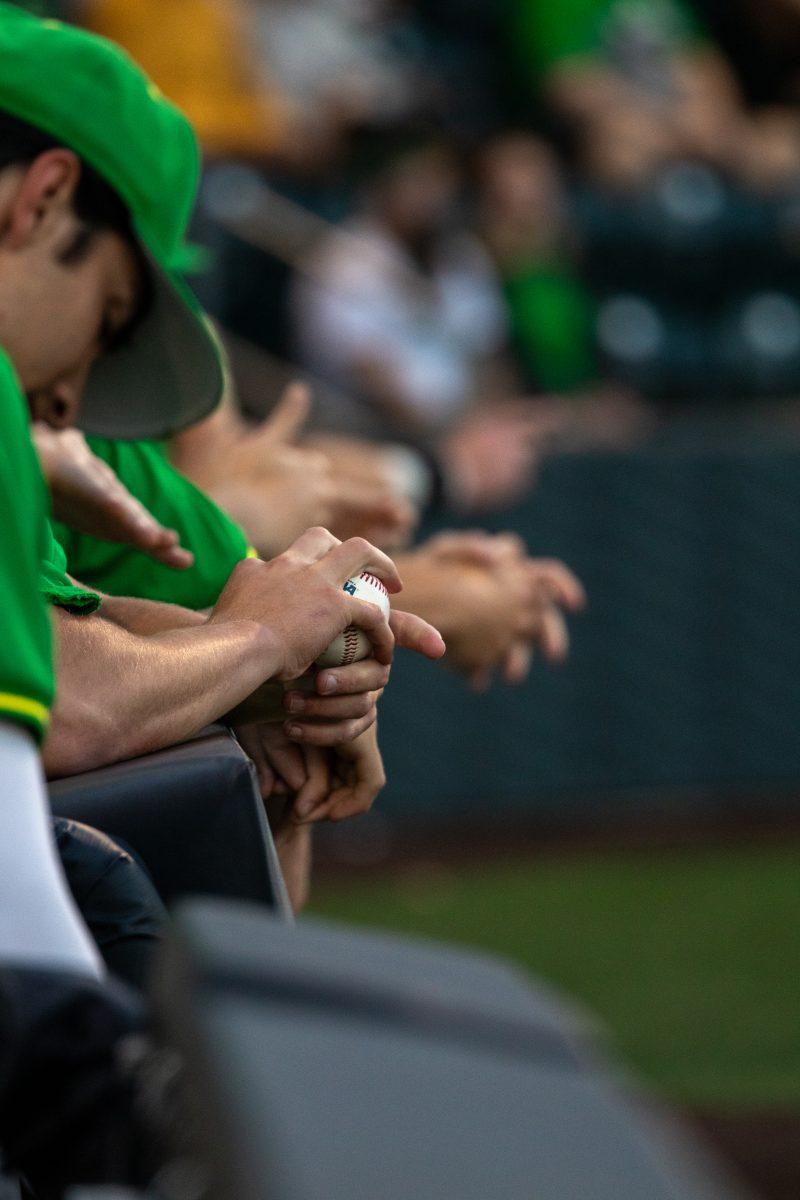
(96, 204)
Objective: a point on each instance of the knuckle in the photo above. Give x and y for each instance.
(315, 460)
(342, 733)
(245, 568)
(360, 545)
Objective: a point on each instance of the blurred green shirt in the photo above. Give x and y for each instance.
(552, 317)
(548, 33)
(217, 543)
(26, 656)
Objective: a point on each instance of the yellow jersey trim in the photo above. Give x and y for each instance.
(252, 552)
(23, 706)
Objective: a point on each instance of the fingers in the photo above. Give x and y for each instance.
(356, 555)
(163, 545)
(176, 557)
(313, 545)
(471, 547)
(369, 618)
(134, 525)
(480, 679)
(359, 798)
(478, 547)
(364, 676)
(288, 763)
(554, 635)
(561, 584)
(265, 775)
(289, 415)
(340, 561)
(510, 547)
(327, 734)
(517, 664)
(317, 787)
(251, 744)
(329, 708)
(412, 633)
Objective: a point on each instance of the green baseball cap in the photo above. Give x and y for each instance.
(88, 93)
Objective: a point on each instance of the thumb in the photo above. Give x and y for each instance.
(289, 415)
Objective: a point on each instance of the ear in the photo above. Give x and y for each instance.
(44, 192)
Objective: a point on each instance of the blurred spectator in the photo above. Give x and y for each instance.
(402, 308)
(406, 309)
(526, 224)
(342, 62)
(197, 51)
(637, 83)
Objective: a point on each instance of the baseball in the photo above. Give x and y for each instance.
(353, 644)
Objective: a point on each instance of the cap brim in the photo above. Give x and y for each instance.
(167, 377)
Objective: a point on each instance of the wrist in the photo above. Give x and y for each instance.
(259, 644)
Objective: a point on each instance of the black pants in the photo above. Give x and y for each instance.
(116, 898)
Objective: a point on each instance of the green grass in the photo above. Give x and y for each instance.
(691, 957)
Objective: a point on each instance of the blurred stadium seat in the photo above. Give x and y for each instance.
(321, 1062)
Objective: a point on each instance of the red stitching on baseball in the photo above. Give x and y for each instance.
(350, 645)
(373, 579)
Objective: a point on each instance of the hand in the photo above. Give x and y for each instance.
(363, 509)
(282, 770)
(280, 764)
(298, 600)
(370, 493)
(327, 785)
(337, 705)
(493, 602)
(342, 783)
(322, 708)
(334, 706)
(272, 487)
(553, 588)
(89, 497)
(491, 459)
(276, 489)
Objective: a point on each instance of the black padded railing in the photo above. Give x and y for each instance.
(192, 813)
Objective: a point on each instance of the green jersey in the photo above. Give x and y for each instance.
(216, 542)
(55, 584)
(26, 657)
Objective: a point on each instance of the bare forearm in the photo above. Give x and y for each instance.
(149, 617)
(121, 695)
(294, 848)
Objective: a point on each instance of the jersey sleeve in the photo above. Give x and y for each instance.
(26, 657)
(55, 584)
(216, 541)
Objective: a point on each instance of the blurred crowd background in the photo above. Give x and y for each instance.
(553, 252)
(550, 252)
